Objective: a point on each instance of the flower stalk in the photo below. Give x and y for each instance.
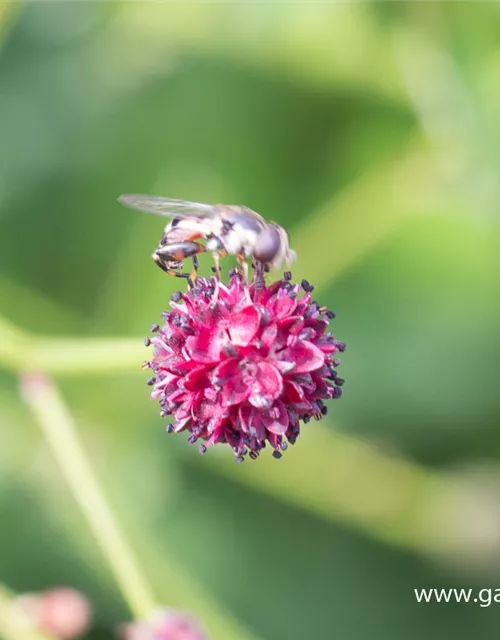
(21, 351)
(61, 434)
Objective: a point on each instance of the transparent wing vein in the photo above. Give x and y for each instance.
(169, 207)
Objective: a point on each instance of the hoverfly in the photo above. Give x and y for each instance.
(224, 229)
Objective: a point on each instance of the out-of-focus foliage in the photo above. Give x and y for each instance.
(372, 132)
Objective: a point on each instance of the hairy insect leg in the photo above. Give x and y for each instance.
(216, 270)
(217, 255)
(258, 274)
(243, 264)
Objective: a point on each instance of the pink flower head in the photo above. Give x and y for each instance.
(62, 612)
(163, 624)
(243, 363)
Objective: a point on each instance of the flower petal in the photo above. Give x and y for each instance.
(228, 376)
(284, 366)
(203, 410)
(276, 420)
(283, 307)
(307, 357)
(204, 347)
(250, 422)
(292, 324)
(293, 392)
(243, 326)
(269, 334)
(234, 392)
(195, 380)
(266, 387)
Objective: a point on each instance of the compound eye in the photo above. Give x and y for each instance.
(268, 244)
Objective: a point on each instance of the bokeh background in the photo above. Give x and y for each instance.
(371, 131)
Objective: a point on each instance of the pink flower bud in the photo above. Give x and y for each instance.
(62, 611)
(163, 625)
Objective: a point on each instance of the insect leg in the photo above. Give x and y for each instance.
(164, 266)
(216, 256)
(177, 252)
(194, 272)
(243, 264)
(259, 279)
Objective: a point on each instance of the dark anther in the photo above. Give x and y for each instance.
(287, 276)
(254, 455)
(292, 440)
(277, 454)
(155, 328)
(341, 346)
(239, 459)
(147, 341)
(336, 362)
(308, 288)
(324, 410)
(176, 296)
(339, 382)
(283, 446)
(306, 419)
(192, 439)
(203, 448)
(170, 428)
(213, 268)
(151, 381)
(337, 392)
(267, 268)
(330, 314)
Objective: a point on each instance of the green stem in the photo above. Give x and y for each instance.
(62, 436)
(22, 351)
(14, 624)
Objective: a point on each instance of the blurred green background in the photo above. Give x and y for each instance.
(372, 132)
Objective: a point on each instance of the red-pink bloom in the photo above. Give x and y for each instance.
(163, 625)
(244, 363)
(63, 612)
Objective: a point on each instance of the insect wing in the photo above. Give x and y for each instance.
(157, 205)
